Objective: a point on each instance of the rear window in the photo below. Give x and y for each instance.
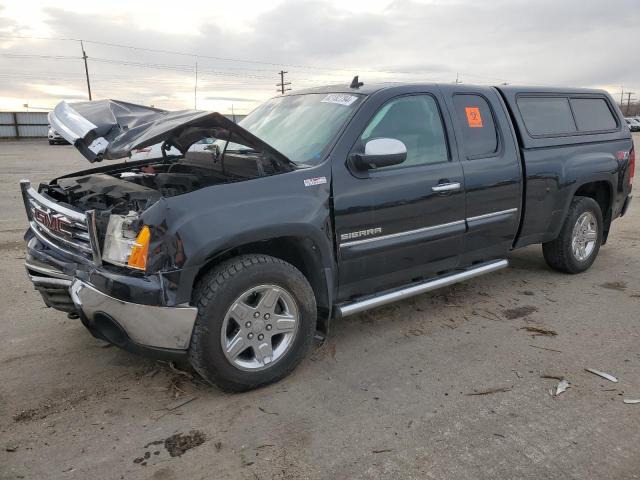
(547, 115)
(476, 122)
(593, 114)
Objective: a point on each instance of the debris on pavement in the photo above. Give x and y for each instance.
(547, 349)
(620, 286)
(267, 412)
(560, 388)
(540, 331)
(179, 372)
(181, 402)
(385, 450)
(519, 312)
(629, 401)
(490, 391)
(156, 442)
(488, 314)
(152, 373)
(179, 443)
(604, 375)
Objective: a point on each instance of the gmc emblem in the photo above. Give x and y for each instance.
(52, 222)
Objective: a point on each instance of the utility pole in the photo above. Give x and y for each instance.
(86, 69)
(282, 83)
(195, 88)
(629, 101)
(621, 95)
(458, 78)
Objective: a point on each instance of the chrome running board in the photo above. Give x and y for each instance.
(417, 288)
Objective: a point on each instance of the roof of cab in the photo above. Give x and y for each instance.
(366, 89)
(515, 89)
(508, 90)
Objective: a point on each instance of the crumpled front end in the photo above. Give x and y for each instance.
(64, 263)
(111, 129)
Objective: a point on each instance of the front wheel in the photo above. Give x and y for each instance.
(578, 243)
(256, 321)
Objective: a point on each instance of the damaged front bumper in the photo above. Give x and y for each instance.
(127, 311)
(152, 330)
(121, 322)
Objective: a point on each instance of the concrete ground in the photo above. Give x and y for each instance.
(394, 393)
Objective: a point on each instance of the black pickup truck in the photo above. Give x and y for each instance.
(320, 204)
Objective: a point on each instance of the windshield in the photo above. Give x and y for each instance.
(301, 127)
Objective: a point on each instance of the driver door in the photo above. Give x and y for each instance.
(403, 222)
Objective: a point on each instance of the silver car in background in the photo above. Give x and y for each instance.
(54, 137)
(633, 124)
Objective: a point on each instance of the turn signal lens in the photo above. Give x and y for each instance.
(140, 249)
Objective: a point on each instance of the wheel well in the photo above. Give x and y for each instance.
(302, 253)
(601, 193)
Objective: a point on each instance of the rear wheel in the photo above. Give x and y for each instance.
(578, 243)
(256, 321)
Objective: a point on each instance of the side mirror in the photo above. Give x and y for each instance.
(380, 152)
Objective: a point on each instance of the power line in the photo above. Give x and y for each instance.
(213, 57)
(259, 62)
(39, 57)
(174, 52)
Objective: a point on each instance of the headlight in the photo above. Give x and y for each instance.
(124, 245)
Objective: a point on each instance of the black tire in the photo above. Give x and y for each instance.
(558, 253)
(214, 295)
(51, 142)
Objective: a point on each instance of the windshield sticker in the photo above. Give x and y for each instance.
(473, 117)
(340, 98)
(310, 182)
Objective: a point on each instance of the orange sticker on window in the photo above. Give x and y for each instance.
(473, 117)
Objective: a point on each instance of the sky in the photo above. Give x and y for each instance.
(146, 51)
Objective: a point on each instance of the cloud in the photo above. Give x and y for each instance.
(231, 99)
(573, 42)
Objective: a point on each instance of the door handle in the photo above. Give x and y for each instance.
(446, 187)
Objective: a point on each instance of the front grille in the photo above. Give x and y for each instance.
(61, 228)
(52, 284)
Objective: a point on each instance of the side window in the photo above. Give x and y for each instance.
(476, 122)
(593, 115)
(547, 115)
(415, 121)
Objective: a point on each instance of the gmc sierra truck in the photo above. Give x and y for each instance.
(320, 204)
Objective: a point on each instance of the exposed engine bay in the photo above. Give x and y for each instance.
(137, 185)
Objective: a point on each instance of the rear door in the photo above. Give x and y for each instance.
(492, 171)
(399, 223)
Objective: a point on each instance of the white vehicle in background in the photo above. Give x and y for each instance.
(155, 151)
(55, 137)
(633, 124)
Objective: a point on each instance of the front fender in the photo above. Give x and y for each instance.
(203, 224)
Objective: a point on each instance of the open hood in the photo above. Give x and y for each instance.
(110, 129)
